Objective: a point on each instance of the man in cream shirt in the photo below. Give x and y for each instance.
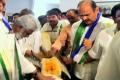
(90, 14)
(109, 68)
(54, 24)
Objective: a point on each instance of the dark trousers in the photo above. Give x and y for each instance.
(71, 71)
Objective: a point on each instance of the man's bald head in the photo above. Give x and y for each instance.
(90, 2)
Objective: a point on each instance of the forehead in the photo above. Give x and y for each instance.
(85, 8)
(71, 13)
(52, 16)
(1, 3)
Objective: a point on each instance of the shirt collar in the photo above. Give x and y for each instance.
(55, 26)
(1, 16)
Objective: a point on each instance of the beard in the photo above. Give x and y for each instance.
(18, 35)
(53, 23)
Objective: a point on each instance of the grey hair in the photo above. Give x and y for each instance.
(27, 22)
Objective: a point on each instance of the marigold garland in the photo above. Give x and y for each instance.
(51, 66)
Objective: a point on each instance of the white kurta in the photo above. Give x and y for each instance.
(110, 64)
(87, 71)
(101, 45)
(7, 51)
(32, 42)
(3, 28)
(55, 32)
(35, 41)
(102, 42)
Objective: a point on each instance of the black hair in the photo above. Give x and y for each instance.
(26, 11)
(74, 10)
(92, 3)
(64, 13)
(114, 10)
(16, 14)
(42, 19)
(54, 11)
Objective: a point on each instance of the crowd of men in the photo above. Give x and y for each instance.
(82, 39)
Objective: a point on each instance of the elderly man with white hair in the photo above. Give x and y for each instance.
(12, 61)
(30, 38)
(13, 65)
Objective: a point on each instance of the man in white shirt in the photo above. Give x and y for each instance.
(109, 68)
(4, 25)
(30, 38)
(12, 60)
(54, 24)
(84, 36)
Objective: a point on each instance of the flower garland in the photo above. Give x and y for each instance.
(51, 66)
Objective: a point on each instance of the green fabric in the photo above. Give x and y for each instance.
(84, 58)
(77, 39)
(4, 68)
(61, 26)
(18, 64)
(78, 36)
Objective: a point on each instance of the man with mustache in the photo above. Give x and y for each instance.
(54, 24)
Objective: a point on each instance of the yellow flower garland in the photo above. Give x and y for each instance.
(51, 66)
